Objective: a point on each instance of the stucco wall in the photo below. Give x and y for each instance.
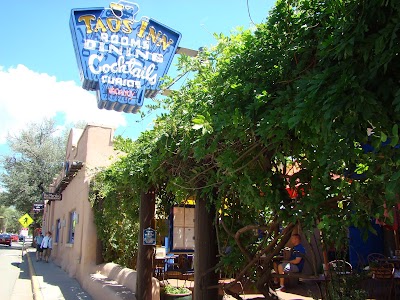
(94, 148)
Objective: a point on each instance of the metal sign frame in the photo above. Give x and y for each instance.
(51, 196)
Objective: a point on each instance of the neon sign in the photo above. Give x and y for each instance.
(120, 57)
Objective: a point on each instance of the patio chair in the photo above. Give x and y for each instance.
(171, 263)
(181, 263)
(189, 280)
(375, 257)
(178, 262)
(340, 267)
(159, 268)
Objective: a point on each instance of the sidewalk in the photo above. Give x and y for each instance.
(50, 282)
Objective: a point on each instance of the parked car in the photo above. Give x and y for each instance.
(21, 238)
(14, 237)
(5, 239)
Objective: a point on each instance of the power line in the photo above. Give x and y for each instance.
(248, 12)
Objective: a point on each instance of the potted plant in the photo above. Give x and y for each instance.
(172, 292)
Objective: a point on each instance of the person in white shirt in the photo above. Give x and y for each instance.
(47, 245)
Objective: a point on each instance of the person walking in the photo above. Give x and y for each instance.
(47, 245)
(38, 242)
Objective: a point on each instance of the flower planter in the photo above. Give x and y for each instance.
(186, 296)
(179, 293)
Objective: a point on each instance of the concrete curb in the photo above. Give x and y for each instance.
(37, 293)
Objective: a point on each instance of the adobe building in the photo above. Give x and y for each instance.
(71, 219)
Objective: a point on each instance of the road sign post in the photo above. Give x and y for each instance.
(25, 221)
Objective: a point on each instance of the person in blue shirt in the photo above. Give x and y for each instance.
(39, 250)
(295, 263)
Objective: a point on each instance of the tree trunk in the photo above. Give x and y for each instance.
(145, 254)
(206, 251)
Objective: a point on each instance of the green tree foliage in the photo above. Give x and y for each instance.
(116, 213)
(285, 106)
(115, 196)
(9, 220)
(36, 157)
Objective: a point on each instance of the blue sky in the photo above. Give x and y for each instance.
(38, 70)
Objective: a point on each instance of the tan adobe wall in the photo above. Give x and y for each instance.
(94, 147)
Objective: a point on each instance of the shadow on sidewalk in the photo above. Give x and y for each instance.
(54, 282)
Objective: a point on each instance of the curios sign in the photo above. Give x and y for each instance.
(120, 57)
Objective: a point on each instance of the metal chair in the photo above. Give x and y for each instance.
(189, 279)
(176, 265)
(340, 267)
(375, 257)
(171, 263)
(159, 268)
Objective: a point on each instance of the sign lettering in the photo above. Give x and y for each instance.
(37, 207)
(120, 57)
(51, 196)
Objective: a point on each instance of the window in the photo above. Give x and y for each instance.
(58, 226)
(73, 220)
(182, 228)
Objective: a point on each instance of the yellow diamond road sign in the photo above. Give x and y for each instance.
(25, 220)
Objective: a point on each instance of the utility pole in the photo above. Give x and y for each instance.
(1, 223)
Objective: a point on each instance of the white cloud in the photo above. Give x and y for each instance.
(27, 96)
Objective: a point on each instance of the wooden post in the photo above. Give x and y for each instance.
(325, 256)
(144, 265)
(206, 251)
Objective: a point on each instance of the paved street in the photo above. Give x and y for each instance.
(14, 274)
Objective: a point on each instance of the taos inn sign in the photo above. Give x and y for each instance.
(120, 57)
